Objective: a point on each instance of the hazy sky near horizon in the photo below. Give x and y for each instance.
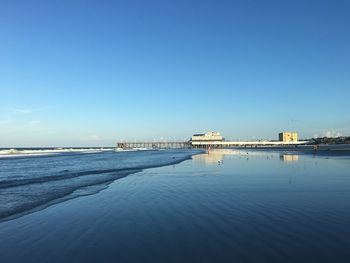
(76, 73)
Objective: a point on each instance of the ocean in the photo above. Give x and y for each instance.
(98, 205)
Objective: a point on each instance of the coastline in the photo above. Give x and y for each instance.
(75, 192)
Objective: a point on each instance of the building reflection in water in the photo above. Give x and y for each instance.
(217, 156)
(209, 158)
(289, 157)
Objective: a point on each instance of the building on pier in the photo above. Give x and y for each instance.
(207, 137)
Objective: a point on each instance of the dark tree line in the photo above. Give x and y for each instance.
(331, 140)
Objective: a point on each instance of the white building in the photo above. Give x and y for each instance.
(207, 137)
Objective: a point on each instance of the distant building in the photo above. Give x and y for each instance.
(288, 136)
(207, 137)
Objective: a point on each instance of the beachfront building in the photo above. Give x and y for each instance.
(207, 137)
(288, 136)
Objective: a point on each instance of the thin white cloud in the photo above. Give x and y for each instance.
(332, 133)
(10, 127)
(91, 137)
(22, 111)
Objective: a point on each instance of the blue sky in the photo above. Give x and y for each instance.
(76, 73)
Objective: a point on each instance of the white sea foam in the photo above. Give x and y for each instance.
(133, 149)
(6, 153)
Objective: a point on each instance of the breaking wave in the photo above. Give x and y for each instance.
(6, 153)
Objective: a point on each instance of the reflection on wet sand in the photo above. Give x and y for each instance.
(209, 158)
(217, 156)
(289, 157)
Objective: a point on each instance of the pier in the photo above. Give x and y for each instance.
(207, 144)
(215, 140)
(154, 145)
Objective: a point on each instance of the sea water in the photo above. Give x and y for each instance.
(225, 206)
(32, 179)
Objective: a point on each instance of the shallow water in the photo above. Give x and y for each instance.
(29, 181)
(228, 206)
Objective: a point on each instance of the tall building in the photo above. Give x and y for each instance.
(288, 136)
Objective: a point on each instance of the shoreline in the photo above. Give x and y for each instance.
(124, 172)
(70, 193)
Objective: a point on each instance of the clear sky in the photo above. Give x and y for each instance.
(76, 73)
